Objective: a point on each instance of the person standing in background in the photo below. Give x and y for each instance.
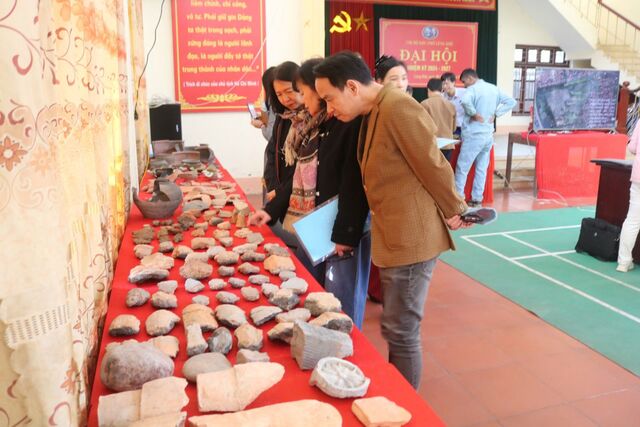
(453, 94)
(388, 70)
(482, 103)
(631, 224)
(267, 117)
(442, 112)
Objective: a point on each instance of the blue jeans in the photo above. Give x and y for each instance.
(346, 277)
(404, 293)
(475, 149)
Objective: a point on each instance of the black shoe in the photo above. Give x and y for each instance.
(474, 203)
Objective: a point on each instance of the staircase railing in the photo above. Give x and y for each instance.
(613, 28)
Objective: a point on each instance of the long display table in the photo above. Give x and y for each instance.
(385, 379)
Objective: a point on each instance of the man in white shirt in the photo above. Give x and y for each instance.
(453, 94)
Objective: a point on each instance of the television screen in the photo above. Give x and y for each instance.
(572, 99)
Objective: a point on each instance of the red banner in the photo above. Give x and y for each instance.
(219, 53)
(454, 4)
(430, 48)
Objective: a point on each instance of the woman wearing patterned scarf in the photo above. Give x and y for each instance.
(323, 150)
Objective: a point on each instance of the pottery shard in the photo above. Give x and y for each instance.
(226, 241)
(250, 356)
(165, 246)
(301, 413)
(157, 260)
(164, 300)
(258, 279)
(168, 344)
(202, 243)
(276, 249)
(242, 233)
(225, 214)
(380, 412)
(227, 258)
(301, 314)
(286, 299)
(200, 299)
(201, 225)
(220, 341)
(235, 388)
(144, 236)
(262, 314)
(339, 378)
(225, 225)
(230, 316)
(124, 325)
(256, 238)
(281, 332)
(195, 205)
(131, 364)
(203, 363)
(181, 251)
(321, 302)
(336, 321)
(161, 322)
(141, 251)
(196, 270)
(219, 234)
(168, 286)
(250, 294)
(137, 297)
(163, 396)
(225, 297)
(140, 274)
(197, 233)
(286, 275)
(296, 284)
(275, 264)
(217, 284)
(249, 337)
(251, 256)
(236, 282)
(247, 247)
(119, 409)
(209, 214)
(214, 250)
(178, 237)
(193, 286)
(201, 315)
(186, 220)
(195, 341)
(215, 221)
(176, 419)
(226, 271)
(268, 289)
(311, 343)
(248, 268)
(197, 256)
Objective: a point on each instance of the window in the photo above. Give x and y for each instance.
(527, 58)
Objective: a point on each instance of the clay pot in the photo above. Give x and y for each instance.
(166, 198)
(206, 153)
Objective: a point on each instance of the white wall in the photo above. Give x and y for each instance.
(236, 143)
(515, 27)
(630, 9)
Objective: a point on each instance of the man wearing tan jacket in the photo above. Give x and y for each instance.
(411, 194)
(442, 112)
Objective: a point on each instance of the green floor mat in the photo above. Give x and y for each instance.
(529, 258)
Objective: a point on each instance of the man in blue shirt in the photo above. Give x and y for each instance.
(482, 103)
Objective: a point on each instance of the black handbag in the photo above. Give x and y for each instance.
(599, 239)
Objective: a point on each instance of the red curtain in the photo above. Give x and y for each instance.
(361, 36)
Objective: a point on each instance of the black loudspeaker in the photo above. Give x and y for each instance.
(165, 122)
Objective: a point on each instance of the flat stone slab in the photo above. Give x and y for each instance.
(311, 343)
(380, 412)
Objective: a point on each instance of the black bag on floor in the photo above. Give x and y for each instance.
(599, 239)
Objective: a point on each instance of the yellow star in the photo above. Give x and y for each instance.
(361, 21)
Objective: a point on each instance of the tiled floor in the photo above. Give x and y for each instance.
(490, 363)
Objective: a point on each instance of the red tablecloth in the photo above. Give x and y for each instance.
(488, 184)
(563, 161)
(385, 379)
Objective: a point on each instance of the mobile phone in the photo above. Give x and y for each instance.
(252, 111)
